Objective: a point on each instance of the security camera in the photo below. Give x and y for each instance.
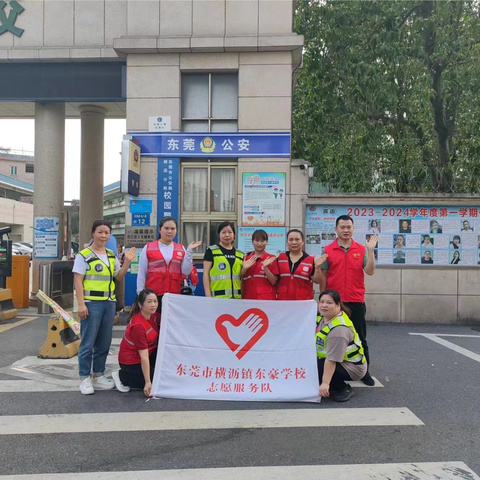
(303, 166)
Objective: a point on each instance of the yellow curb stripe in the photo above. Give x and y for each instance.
(8, 326)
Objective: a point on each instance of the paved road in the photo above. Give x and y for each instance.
(421, 422)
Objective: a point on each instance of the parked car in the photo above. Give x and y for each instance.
(27, 244)
(23, 249)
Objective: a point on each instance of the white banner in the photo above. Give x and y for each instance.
(242, 350)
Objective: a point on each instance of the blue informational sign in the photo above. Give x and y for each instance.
(140, 219)
(167, 188)
(141, 205)
(46, 237)
(210, 144)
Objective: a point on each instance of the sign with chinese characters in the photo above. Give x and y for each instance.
(214, 144)
(7, 20)
(263, 199)
(276, 239)
(408, 235)
(159, 124)
(130, 176)
(243, 350)
(46, 233)
(140, 219)
(138, 237)
(168, 184)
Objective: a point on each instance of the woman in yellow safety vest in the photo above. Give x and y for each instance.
(222, 265)
(94, 270)
(340, 355)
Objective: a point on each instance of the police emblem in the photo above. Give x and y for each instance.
(320, 341)
(222, 266)
(98, 267)
(207, 145)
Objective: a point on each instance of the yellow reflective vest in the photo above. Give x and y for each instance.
(98, 282)
(225, 282)
(354, 352)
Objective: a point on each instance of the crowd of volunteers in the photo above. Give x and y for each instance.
(164, 267)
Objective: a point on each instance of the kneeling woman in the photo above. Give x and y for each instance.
(340, 355)
(138, 348)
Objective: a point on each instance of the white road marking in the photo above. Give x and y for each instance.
(198, 420)
(392, 471)
(24, 386)
(449, 335)
(360, 384)
(450, 345)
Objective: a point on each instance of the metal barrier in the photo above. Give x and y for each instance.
(56, 280)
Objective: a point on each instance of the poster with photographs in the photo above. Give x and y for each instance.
(412, 235)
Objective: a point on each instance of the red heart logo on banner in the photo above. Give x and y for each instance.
(241, 334)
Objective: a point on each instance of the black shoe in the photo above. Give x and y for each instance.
(343, 395)
(368, 380)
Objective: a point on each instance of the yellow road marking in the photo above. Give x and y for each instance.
(5, 327)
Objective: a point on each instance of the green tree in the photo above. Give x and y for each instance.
(387, 99)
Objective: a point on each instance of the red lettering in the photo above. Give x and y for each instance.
(265, 387)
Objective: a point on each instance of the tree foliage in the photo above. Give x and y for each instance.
(388, 97)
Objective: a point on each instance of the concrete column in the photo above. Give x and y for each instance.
(91, 169)
(48, 196)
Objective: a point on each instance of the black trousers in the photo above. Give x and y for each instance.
(359, 311)
(340, 376)
(132, 375)
(159, 308)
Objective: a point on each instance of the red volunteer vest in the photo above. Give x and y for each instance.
(345, 271)
(163, 278)
(255, 284)
(296, 286)
(128, 353)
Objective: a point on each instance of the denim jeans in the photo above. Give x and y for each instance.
(96, 331)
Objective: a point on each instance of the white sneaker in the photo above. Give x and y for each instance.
(86, 386)
(103, 383)
(118, 383)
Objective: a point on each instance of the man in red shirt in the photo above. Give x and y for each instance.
(344, 270)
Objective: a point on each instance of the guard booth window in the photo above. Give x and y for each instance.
(208, 198)
(209, 104)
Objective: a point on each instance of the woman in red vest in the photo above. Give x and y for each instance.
(164, 264)
(138, 348)
(298, 270)
(259, 270)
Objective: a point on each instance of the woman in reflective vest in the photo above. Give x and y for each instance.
(164, 264)
(340, 355)
(94, 269)
(222, 266)
(259, 271)
(138, 348)
(298, 270)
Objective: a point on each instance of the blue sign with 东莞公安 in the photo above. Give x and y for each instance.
(209, 144)
(140, 219)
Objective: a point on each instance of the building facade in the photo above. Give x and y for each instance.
(210, 66)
